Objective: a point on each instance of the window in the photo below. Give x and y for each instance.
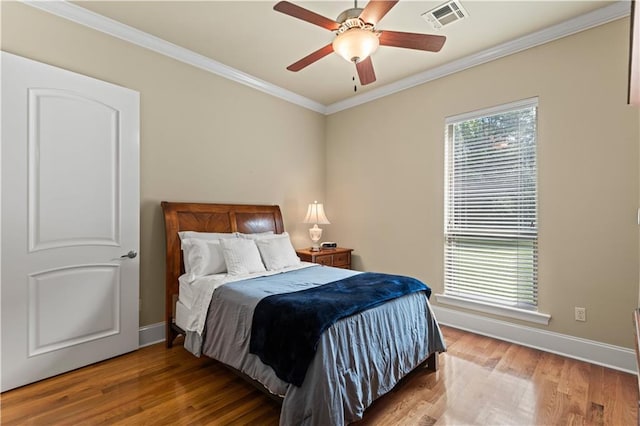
(491, 221)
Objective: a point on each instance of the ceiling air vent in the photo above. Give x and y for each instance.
(445, 14)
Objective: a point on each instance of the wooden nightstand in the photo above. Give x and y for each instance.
(338, 257)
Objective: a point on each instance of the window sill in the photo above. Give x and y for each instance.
(490, 308)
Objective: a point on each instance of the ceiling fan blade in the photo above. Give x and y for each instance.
(375, 10)
(309, 59)
(306, 15)
(428, 42)
(365, 71)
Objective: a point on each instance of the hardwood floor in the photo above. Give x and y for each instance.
(481, 381)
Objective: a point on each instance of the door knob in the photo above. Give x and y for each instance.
(130, 255)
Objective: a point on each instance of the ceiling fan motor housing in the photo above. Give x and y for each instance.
(352, 13)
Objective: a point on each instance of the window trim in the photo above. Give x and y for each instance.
(536, 317)
(511, 106)
(530, 315)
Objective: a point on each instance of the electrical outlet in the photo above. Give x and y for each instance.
(581, 314)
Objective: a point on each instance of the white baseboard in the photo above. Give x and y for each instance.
(610, 356)
(151, 334)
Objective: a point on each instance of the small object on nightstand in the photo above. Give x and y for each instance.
(338, 257)
(328, 245)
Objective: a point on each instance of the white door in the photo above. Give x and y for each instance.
(70, 203)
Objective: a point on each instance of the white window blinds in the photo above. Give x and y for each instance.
(491, 225)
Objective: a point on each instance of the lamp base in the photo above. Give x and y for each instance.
(315, 233)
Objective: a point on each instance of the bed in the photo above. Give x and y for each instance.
(359, 358)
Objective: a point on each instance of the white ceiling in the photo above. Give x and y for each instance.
(253, 38)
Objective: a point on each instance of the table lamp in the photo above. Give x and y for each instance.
(315, 215)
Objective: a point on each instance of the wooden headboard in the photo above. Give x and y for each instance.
(203, 217)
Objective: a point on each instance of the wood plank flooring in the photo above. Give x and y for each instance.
(481, 381)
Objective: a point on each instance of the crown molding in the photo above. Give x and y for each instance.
(101, 23)
(601, 16)
(127, 33)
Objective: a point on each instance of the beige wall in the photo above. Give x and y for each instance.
(388, 182)
(203, 138)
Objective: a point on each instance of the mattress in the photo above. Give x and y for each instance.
(182, 315)
(186, 292)
(190, 301)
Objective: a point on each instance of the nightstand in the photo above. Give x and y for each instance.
(338, 257)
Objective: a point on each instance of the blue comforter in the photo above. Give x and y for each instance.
(286, 327)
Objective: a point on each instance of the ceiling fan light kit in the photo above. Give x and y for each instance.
(356, 37)
(356, 44)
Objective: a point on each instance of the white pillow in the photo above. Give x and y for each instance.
(206, 235)
(202, 257)
(277, 252)
(257, 236)
(241, 256)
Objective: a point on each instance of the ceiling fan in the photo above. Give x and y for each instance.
(356, 35)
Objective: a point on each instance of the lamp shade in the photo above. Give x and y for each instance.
(356, 44)
(315, 214)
